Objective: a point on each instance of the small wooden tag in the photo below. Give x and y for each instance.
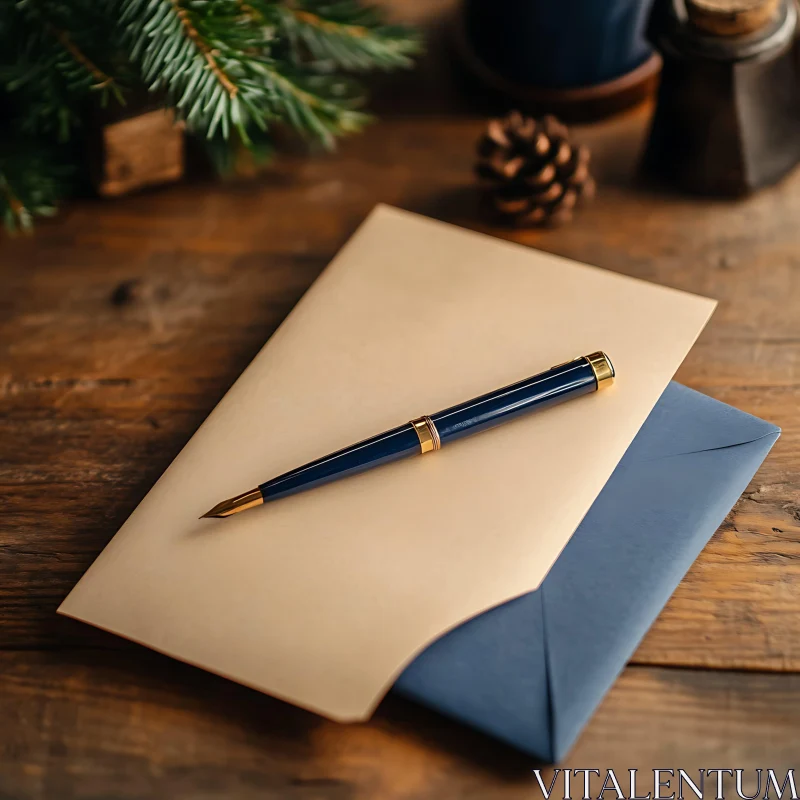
(144, 150)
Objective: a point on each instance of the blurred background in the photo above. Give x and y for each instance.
(173, 176)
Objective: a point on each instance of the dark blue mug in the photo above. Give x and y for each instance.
(558, 44)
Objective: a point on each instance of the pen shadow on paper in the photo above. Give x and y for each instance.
(151, 698)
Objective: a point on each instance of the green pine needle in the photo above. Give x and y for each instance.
(33, 179)
(230, 68)
(46, 69)
(216, 63)
(349, 35)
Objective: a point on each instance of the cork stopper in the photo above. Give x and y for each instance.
(731, 17)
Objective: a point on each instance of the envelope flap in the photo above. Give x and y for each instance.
(532, 670)
(690, 422)
(694, 457)
(321, 598)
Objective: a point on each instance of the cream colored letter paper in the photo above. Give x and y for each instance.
(323, 597)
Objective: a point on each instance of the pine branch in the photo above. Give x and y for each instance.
(53, 19)
(45, 68)
(15, 214)
(194, 35)
(234, 158)
(350, 35)
(33, 178)
(102, 81)
(214, 61)
(232, 69)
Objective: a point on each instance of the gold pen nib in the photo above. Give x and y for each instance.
(236, 504)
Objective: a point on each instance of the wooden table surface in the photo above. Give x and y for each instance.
(123, 323)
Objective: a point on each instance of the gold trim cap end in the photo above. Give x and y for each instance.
(603, 369)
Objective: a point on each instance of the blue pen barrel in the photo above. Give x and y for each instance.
(561, 383)
(381, 449)
(566, 381)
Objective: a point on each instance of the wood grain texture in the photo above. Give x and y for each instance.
(104, 724)
(123, 323)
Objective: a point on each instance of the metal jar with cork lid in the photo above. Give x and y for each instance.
(727, 119)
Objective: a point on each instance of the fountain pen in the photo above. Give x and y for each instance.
(428, 434)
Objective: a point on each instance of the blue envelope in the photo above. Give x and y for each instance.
(532, 671)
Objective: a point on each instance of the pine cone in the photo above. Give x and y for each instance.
(530, 173)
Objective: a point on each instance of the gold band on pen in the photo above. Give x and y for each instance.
(602, 367)
(428, 435)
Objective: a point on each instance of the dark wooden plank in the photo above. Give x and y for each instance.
(137, 725)
(123, 323)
